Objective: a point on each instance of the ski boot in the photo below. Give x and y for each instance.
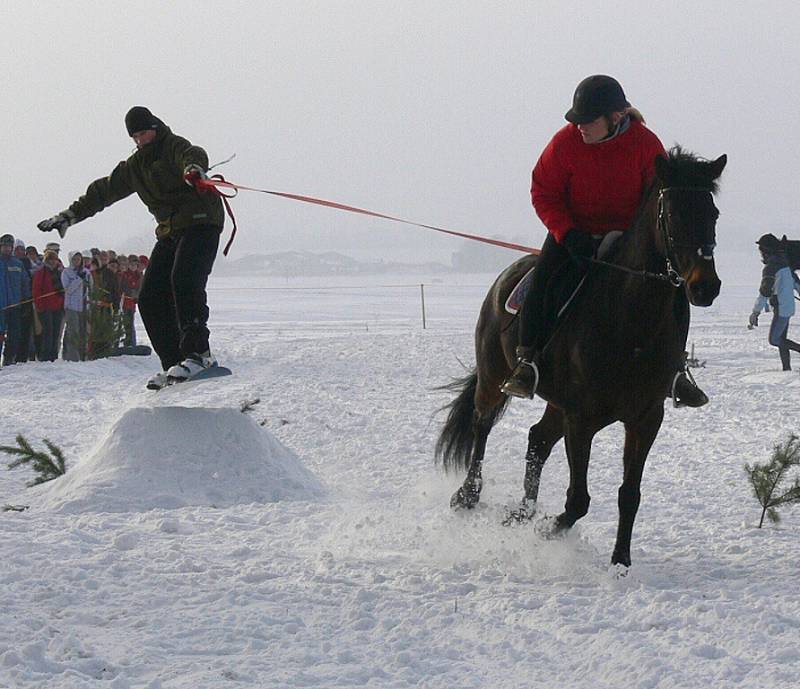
(190, 367)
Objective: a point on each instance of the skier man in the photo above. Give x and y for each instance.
(172, 300)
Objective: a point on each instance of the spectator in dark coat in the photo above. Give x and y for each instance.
(10, 296)
(26, 307)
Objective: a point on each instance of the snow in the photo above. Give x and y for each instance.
(169, 457)
(308, 542)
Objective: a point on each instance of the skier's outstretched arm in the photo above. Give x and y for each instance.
(99, 195)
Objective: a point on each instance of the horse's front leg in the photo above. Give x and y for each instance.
(639, 439)
(578, 439)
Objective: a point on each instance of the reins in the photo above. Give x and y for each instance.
(670, 275)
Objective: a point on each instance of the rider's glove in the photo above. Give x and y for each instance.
(753, 321)
(580, 246)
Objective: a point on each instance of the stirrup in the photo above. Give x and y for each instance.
(678, 403)
(508, 388)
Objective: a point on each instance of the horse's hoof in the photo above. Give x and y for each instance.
(621, 559)
(525, 513)
(551, 528)
(618, 571)
(464, 499)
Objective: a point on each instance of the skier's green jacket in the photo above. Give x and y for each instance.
(155, 173)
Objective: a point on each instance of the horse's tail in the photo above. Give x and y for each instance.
(456, 440)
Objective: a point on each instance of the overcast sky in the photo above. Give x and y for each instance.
(434, 111)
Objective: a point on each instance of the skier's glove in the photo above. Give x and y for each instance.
(59, 222)
(193, 172)
(580, 246)
(753, 321)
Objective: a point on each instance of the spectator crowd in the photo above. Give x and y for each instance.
(84, 309)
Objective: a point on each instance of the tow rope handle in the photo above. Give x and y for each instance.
(205, 185)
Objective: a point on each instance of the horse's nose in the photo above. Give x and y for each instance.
(703, 292)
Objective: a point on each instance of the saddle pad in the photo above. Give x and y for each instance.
(517, 296)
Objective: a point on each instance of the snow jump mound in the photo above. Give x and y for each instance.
(171, 457)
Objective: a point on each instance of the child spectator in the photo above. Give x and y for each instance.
(77, 282)
(48, 299)
(131, 282)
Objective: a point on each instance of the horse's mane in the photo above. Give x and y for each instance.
(683, 169)
(689, 170)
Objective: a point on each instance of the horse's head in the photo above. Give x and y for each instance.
(687, 219)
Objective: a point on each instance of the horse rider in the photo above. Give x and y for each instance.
(778, 284)
(172, 300)
(590, 180)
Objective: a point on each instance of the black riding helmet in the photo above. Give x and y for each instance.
(595, 96)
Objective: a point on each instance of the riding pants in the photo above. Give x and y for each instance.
(534, 327)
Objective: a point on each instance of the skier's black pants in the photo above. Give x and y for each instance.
(172, 299)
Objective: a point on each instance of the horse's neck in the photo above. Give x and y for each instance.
(631, 297)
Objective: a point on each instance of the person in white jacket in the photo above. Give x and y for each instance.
(78, 283)
(778, 284)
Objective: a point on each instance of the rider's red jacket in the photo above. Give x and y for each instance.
(593, 187)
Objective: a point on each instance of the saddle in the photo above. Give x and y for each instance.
(563, 287)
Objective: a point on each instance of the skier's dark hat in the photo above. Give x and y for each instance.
(769, 243)
(140, 119)
(595, 96)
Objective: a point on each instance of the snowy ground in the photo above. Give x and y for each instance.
(193, 550)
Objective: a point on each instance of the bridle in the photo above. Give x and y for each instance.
(705, 250)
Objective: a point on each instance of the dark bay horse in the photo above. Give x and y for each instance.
(612, 356)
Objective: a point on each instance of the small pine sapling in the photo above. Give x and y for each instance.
(768, 479)
(47, 467)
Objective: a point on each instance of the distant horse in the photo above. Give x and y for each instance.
(611, 357)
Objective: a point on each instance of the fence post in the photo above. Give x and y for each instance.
(422, 295)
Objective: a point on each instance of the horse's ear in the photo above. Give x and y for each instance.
(718, 166)
(662, 167)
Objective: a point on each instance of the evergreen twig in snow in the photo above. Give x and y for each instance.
(767, 479)
(46, 467)
(248, 405)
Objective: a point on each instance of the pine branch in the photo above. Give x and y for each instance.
(47, 468)
(767, 478)
(248, 405)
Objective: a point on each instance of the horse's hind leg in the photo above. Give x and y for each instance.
(489, 402)
(541, 439)
(469, 493)
(638, 441)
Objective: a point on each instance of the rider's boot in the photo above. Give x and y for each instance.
(525, 377)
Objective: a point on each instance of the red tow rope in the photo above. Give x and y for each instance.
(213, 185)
